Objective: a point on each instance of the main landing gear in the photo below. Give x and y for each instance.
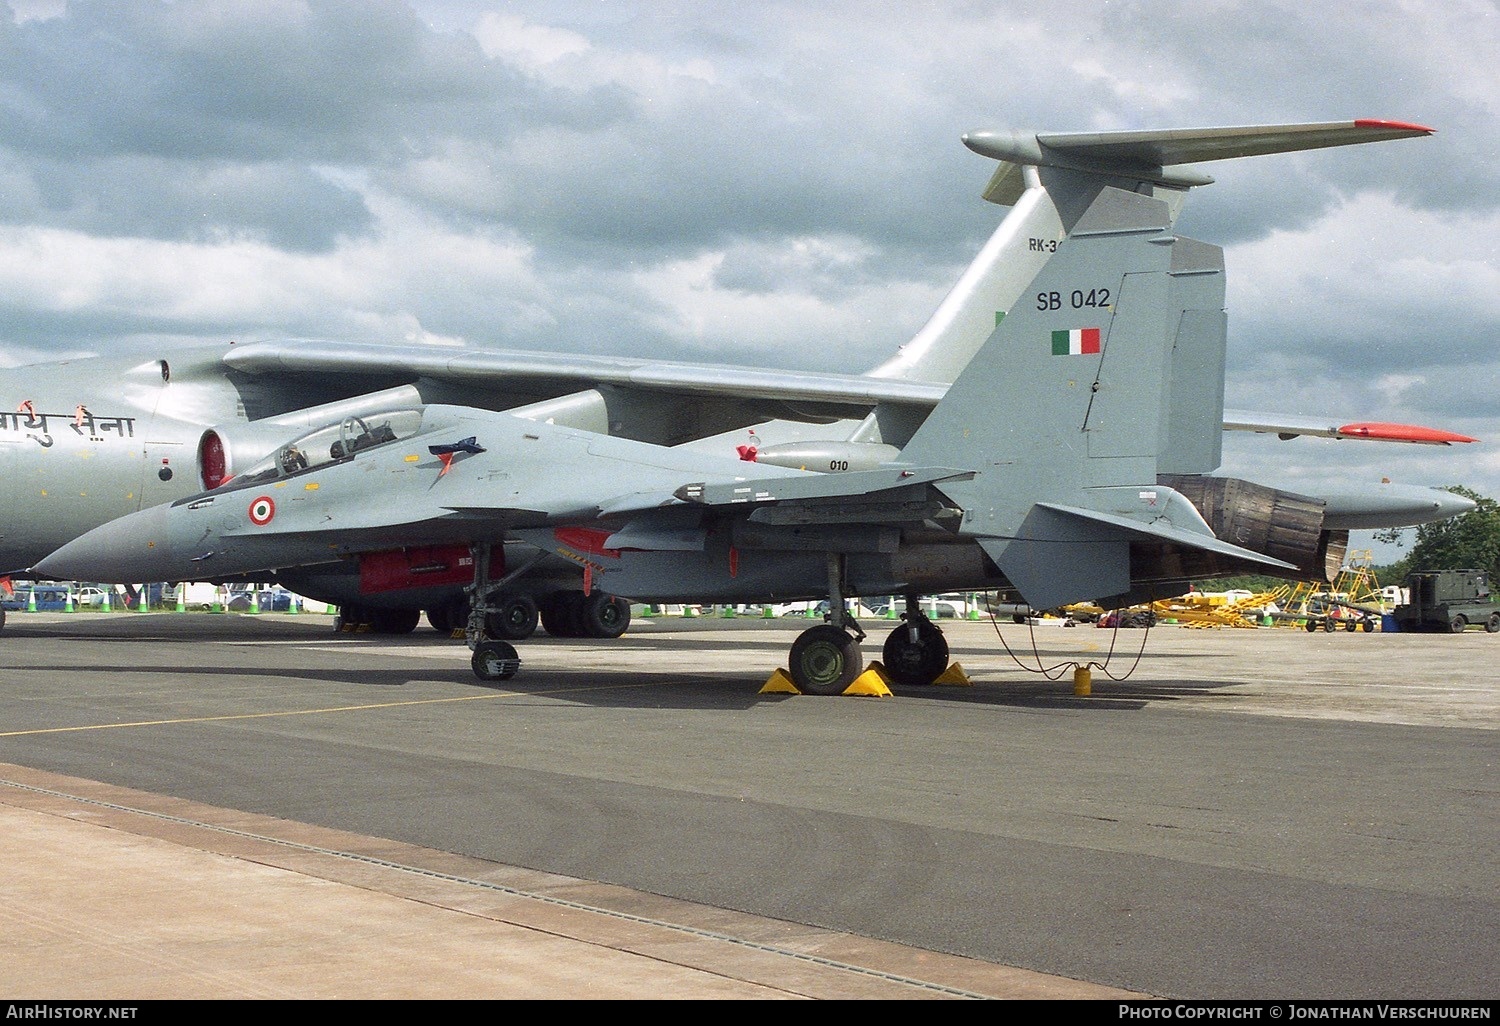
(915, 653)
(826, 659)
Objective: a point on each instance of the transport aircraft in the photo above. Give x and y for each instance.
(1052, 432)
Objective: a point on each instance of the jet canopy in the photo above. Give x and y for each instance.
(332, 444)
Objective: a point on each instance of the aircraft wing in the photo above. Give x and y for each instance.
(1290, 427)
(483, 366)
(814, 392)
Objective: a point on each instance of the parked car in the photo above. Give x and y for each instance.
(94, 597)
(48, 598)
(272, 600)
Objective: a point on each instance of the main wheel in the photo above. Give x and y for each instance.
(495, 660)
(450, 616)
(604, 616)
(1312, 625)
(1458, 624)
(824, 660)
(515, 620)
(1492, 624)
(561, 614)
(915, 663)
(394, 621)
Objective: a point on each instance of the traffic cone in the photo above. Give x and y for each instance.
(68, 602)
(181, 598)
(255, 602)
(104, 605)
(31, 601)
(143, 599)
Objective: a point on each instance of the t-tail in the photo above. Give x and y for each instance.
(1075, 402)
(1051, 179)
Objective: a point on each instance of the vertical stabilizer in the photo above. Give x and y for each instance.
(1065, 412)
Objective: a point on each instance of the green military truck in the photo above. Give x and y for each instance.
(1447, 600)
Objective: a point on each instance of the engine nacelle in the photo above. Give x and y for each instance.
(1282, 525)
(225, 451)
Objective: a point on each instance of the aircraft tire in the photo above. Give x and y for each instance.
(515, 620)
(495, 660)
(915, 664)
(604, 616)
(450, 615)
(557, 614)
(824, 660)
(394, 621)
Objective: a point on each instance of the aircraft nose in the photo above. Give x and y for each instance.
(133, 548)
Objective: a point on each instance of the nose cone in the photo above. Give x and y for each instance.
(1451, 505)
(133, 548)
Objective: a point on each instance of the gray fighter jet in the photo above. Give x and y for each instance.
(92, 440)
(1068, 461)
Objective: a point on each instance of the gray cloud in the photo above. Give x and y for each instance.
(785, 186)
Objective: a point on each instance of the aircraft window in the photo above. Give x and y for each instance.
(332, 444)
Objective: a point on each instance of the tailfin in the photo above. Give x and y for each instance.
(1066, 410)
(1050, 179)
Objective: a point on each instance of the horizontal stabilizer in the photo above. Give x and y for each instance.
(1162, 531)
(1157, 155)
(1064, 554)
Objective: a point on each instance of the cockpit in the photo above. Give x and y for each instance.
(333, 444)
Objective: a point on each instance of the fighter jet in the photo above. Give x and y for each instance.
(144, 431)
(1066, 462)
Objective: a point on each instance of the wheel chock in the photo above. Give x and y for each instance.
(779, 683)
(872, 682)
(954, 674)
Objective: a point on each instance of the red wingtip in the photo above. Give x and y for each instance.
(1399, 126)
(1403, 433)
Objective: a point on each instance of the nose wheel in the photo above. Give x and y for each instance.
(495, 660)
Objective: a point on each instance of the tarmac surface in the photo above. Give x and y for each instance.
(240, 806)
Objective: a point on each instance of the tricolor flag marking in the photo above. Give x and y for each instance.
(1078, 342)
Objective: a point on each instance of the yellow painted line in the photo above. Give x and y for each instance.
(313, 712)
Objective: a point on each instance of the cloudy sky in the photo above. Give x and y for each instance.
(778, 184)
